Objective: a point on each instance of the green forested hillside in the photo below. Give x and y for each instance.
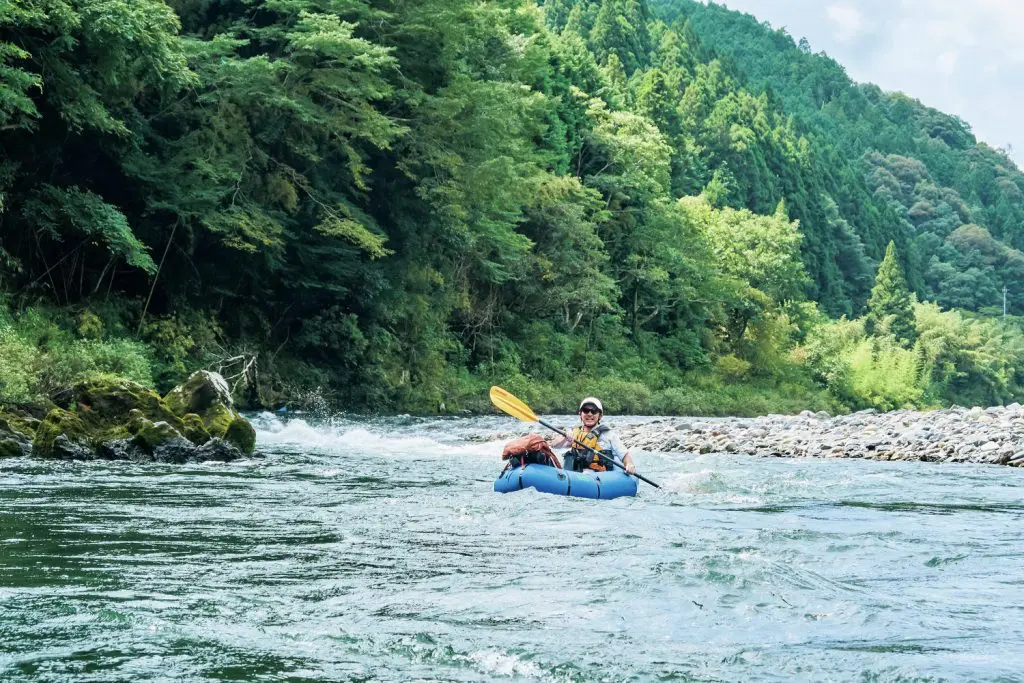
(390, 204)
(960, 203)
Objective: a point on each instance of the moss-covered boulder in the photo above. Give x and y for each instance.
(119, 419)
(206, 395)
(136, 421)
(18, 426)
(163, 443)
(201, 391)
(152, 435)
(95, 412)
(11, 447)
(217, 450)
(104, 403)
(241, 434)
(195, 430)
(61, 423)
(217, 418)
(15, 436)
(222, 422)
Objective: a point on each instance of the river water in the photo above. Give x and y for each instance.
(375, 550)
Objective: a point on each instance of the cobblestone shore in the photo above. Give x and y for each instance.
(992, 436)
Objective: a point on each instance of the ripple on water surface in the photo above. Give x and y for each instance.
(361, 550)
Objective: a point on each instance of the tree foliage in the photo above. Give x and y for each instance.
(400, 201)
(890, 305)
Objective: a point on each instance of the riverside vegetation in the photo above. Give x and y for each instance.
(389, 205)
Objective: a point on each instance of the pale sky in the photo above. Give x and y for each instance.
(963, 57)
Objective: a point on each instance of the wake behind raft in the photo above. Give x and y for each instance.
(530, 463)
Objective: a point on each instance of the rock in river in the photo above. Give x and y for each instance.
(122, 420)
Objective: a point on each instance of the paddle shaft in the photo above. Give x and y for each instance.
(598, 454)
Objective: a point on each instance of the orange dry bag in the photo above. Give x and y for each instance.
(530, 449)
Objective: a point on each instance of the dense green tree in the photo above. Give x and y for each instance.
(620, 28)
(570, 281)
(890, 307)
(74, 79)
(764, 275)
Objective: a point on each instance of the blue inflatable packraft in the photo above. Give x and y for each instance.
(586, 484)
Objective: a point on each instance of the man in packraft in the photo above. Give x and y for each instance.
(598, 437)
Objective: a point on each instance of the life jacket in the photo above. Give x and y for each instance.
(580, 435)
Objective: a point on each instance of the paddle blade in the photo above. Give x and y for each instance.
(508, 403)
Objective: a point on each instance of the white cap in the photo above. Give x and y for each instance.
(593, 401)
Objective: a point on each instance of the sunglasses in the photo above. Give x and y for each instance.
(590, 411)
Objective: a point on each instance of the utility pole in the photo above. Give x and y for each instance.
(1004, 301)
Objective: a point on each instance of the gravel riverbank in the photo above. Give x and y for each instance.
(979, 435)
